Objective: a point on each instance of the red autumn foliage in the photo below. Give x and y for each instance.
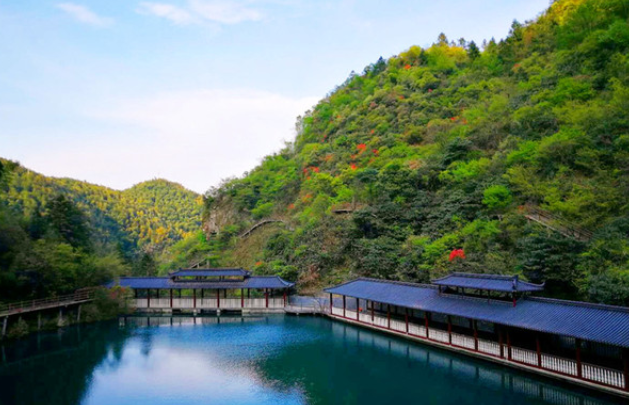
(373, 131)
(429, 90)
(454, 118)
(291, 206)
(315, 169)
(361, 147)
(460, 253)
(258, 263)
(407, 67)
(353, 166)
(375, 151)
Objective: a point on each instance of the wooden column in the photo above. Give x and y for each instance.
(5, 321)
(538, 349)
(475, 335)
(500, 343)
(508, 345)
(626, 371)
(449, 329)
(171, 297)
(248, 293)
(343, 306)
(218, 299)
(242, 298)
(406, 318)
(135, 293)
(426, 316)
(194, 298)
(357, 310)
(266, 296)
(388, 316)
(284, 297)
(372, 312)
(577, 344)
(331, 303)
(148, 298)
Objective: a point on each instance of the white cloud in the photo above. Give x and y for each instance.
(195, 137)
(173, 13)
(198, 11)
(224, 12)
(84, 14)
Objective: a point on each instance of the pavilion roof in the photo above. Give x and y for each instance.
(593, 322)
(216, 272)
(166, 283)
(491, 282)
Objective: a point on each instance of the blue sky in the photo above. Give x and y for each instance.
(120, 91)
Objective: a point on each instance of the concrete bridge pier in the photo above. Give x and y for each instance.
(78, 314)
(4, 326)
(39, 321)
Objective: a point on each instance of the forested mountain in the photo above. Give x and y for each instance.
(59, 234)
(508, 157)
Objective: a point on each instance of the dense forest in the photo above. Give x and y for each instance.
(58, 235)
(501, 157)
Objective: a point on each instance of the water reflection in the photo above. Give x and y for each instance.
(255, 360)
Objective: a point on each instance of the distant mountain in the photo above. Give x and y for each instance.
(58, 234)
(150, 215)
(508, 157)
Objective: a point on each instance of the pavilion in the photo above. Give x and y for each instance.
(208, 289)
(494, 317)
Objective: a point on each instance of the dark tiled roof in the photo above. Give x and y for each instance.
(593, 322)
(166, 283)
(491, 282)
(227, 272)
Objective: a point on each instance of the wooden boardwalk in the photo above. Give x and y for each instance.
(22, 307)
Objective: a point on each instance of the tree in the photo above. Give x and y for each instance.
(472, 51)
(68, 222)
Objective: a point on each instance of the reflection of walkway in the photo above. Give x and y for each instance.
(491, 378)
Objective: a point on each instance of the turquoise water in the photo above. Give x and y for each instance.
(256, 360)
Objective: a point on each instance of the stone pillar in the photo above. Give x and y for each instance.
(78, 314)
(60, 320)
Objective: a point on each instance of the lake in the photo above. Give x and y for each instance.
(271, 359)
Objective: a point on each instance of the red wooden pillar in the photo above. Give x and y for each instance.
(426, 315)
(449, 329)
(406, 318)
(357, 309)
(577, 343)
(388, 316)
(538, 348)
(475, 335)
(343, 306)
(171, 297)
(194, 298)
(242, 298)
(218, 299)
(331, 303)
(626, 371)
(508, 345)
(500, 343)
(266, 297)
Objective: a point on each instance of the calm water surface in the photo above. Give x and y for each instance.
(256, 360)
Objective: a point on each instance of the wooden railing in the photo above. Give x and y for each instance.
(548, 362)
(34, 305)
(208, 303)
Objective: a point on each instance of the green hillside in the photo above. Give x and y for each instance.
(58, 234)
(516, 152)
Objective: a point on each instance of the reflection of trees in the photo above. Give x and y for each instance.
(56, 368)
(348, 366)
